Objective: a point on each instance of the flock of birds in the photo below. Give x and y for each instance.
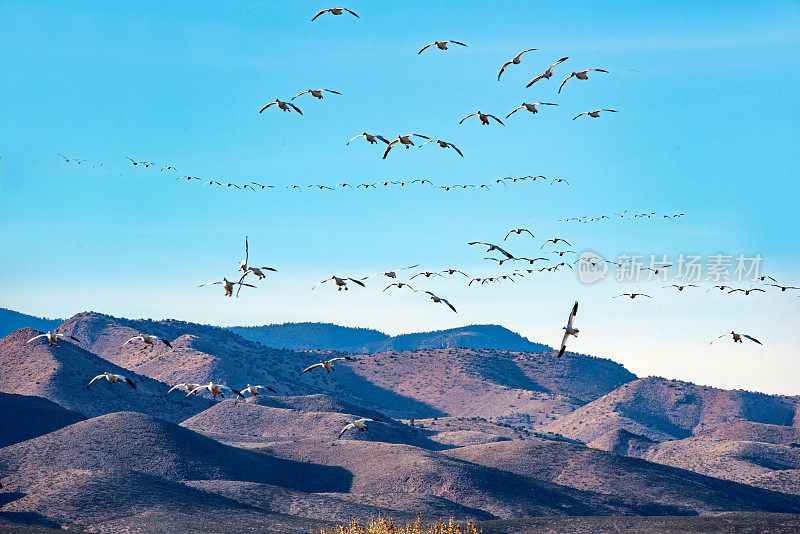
(342, 283)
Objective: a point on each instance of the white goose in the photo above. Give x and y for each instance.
(548, 73)
(114, 379)
(404, 140)
(580, 75)
(185, 386)
(437, 300)
(216, 389)
(358, 423)
(530, 107)
(569, 330)
(490, 247)
(148, 340)
(227, 285)
(515, 61)
(392, 273)
(484, 117)
(253, 390)
(335, 11)
(327, 364)
(341, 283)
(594, 114)
(443, 144)
(441, 45)
(285, 106)
(316, 93)
(371, 138)
(52, 337)
(737, 338)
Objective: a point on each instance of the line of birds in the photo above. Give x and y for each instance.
(622, 215)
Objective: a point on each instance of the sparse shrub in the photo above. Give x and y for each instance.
(385, 525)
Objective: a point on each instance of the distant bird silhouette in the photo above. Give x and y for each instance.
(595, 114)
(327, 364)
(484, 117)
(436, 299)
(148, 340)
(335, 11)
(226, 285)
(215, 389)
(317, 93)
(517, 231)
(569, 330)
(285, 106)
(358, 423)
(371, 139)
(114, 379)
(737, 338)
(632, 295)
(580, 75)
(548, 73)
(490, 247)
(515, 61)
(443, 144)
(390, 274)
(441, 45)
(530, 107)
(341, 283)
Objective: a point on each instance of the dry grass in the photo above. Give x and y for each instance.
(385, 525)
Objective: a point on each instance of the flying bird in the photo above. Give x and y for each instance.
(114, 379)
(335, 11)
(426, 275)
(441, 45)
(594, 114)
(491, 247)
(404, 140)
(317, 93)
(783, 288)
(514, 61)
(569, 330)
(632, 295)
(681, 287)
(555, 241)
(392, 273)
(580, 75)
(341, 283)
(454, 271)
(285, 106)
(216, 389)
(399, 285)
(517, 231)
(52, 337)
(358, 423)
(746, 291)
(530, 107)
(326, 364)
(737, 338)
(436, 299)
(186, 386)
(253, 390)
(226, 285)
(443, 144)
(484, 117)
(148, 340)
(371, 138)
(548, 73)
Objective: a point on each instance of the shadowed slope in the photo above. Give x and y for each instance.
(24, 417)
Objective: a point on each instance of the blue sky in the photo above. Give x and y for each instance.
(707, 95)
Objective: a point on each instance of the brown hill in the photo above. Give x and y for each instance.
(24, 417)
(645, 483)
(662, 410)
(60, 374)
(620, 441)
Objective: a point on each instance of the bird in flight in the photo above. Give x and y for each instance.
(569, 330)
(226, 285)
(285, 106)
(514, 61)
(426, 275)
(216, 389)
(783, 288)
(530, 107)
(341, 283)
(392, 273)
(746, 291)
(148, 340)
(594, 114)
(580, 75)
(680, 287)
(555, 241)
(358, 423)
(548, 73)
(253, 390)
(317, 93)
(399, 285)
(454, 271)
(517, 231)
(52, 337)
(371, 138)
(335, 11)
(490, 247)
(114, 379)
(186, 386)
(484, 117)
(632, 295)
(327, 364)
(737, 338)
(443, 144)
(441, 45)
(436, 299)
(404, 140)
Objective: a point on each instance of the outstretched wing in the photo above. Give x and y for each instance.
(562, 83)
(468, 116)
(572, 315)
(304, 92)
(347, 427)
(311, 367)
(751, 338)
(318, 14)
(424, 47)
(36, 337)
(503, 68)
(93, 379)
(295, 108)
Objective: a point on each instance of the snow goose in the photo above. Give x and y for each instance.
(555, 241)
(426, 274)
(548, 73)
(443, 144)
(185, 386)
(454, 271)
(441, 45)
(404, 140)
(746, 291)
(335, 11)
(783, 288)
(358, 423)
(52, 337)
(326, 364)
(148, 340)
(399, 285)
(227, 285)
(632, 295)
(530, 107)
(371, 138)
(484, 117)
(392, 273)
(341, 283)
(317, 93)
(680, 287)
(215, 389)
(514, 61)
(490, 247)
(285, 106)
(594, 114)
(437, 300)
(580, 75)
(517, 231)
(737, 338)
(569, 330)
(114, 379)
(253, 390)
